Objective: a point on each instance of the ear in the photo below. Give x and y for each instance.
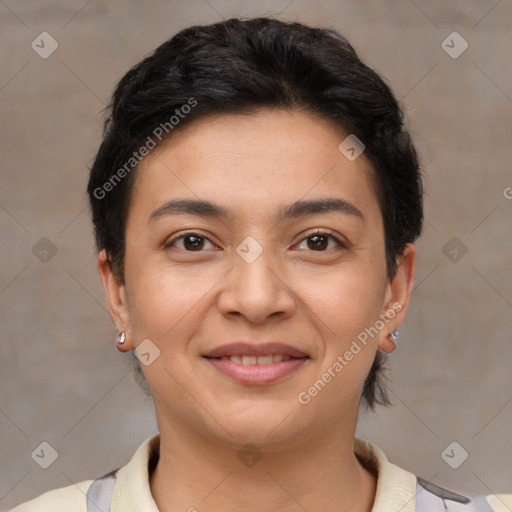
(397, 297)
(115, 292)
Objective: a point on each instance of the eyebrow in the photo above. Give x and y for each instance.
(297, 209)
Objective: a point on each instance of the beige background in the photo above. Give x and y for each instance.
(61, 381)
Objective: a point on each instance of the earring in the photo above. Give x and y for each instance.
(394, 336)
(121, 338)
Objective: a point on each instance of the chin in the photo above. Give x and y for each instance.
(258, 423)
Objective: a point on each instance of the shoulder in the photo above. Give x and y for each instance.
(431, 498)
(65, 499)
(401, 490)
(132, 479)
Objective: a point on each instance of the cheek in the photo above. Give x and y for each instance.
(162, 303)
(347, 300)
(344, 312)
(165, 307)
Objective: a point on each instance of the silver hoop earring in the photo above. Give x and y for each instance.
(394, 336)
(121, 338)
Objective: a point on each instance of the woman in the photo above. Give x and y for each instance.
(256, 199)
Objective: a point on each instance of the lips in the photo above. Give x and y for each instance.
(256, 364)
(242, 349)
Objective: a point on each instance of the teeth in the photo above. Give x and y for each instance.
(249, 360)
(246, 360)
(264, 360)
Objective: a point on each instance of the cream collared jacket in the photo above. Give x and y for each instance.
(127, 489)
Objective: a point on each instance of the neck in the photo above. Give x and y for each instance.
(318, 473)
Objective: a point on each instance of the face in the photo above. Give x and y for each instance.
(277, 238)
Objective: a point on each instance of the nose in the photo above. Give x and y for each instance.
(256, 290)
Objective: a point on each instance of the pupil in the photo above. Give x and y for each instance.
(319, 241)
(199, 242)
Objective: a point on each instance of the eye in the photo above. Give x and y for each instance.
(192, 242)
(319, 240)
(195, 242)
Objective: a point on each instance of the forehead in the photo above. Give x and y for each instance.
(252, 162)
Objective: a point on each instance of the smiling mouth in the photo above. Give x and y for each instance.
(254, 370)
(262, 360)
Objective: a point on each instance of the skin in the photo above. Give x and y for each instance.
(189, 300)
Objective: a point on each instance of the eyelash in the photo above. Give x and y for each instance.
(319, 232)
